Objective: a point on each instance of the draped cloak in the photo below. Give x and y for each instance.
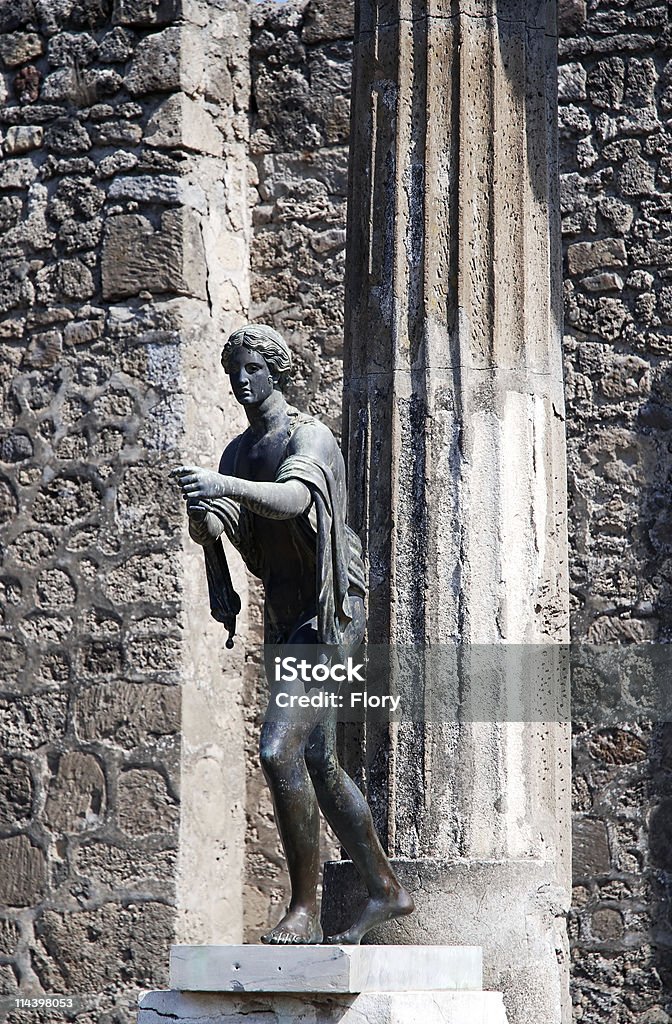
(321, 531)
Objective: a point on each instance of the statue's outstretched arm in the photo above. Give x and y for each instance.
(271, 500)
(209, 519)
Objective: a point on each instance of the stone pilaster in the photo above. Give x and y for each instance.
(454, 414)
(193, 254)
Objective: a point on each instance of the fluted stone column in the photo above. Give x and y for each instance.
(454, 419)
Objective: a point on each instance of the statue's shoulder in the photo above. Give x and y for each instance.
(310, 436)
(228, 460)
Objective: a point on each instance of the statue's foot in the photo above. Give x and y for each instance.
(377, 909)
(298, 927)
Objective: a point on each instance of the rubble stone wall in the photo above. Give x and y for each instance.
(616, 161)
(123, 212)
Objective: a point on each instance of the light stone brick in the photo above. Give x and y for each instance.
(23, 138)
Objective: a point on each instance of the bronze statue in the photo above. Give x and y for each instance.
(279, 496)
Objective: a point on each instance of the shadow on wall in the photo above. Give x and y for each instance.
(660, 851)
(655, 506)
(655, 419)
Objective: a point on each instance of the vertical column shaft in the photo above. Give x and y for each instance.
(454, 415)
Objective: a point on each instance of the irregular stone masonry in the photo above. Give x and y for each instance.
(615, 92)
(104, 228)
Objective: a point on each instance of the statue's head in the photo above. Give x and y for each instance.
(267, 343)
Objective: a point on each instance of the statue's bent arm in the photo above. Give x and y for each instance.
(272, 500)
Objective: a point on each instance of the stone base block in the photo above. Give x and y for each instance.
(327, 969)
(371, 1007)
(512, 909)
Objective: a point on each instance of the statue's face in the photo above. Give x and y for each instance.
(249, 375)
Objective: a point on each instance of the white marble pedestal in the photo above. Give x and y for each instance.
(324, 985)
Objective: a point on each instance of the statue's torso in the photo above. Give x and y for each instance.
(287, 567)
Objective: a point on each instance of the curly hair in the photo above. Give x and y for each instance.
(267, 342)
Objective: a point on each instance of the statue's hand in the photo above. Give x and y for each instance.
(200, 483)
(204, 527)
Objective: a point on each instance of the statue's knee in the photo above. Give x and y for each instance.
(272, 757)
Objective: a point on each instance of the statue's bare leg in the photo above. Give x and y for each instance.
(349, 815)
(282, 757)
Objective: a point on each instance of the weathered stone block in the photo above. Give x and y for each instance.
(82, 332)
(23, 138)
(181, 121)
(16, 15)
(603, 283)
(618, 214)
(571, 16)
(660, 835)
(13, 655)
(100, 658)
(46, 628)
(115, 163)
(118, 133)
(571, 82)
(325, 20)
(9, 937)
(590, 848)
(157, 188)
(76, 799)
(585, 256)
(15, 447)
(27, 84)
(66, 500)
(156, 64)
(573, 121)
(16, 791)
(372, 1007)
(620, 746)
(18, 47)
(115, 867)
(19, 173)
(31, 547)
(83, 89)
(54, 667)
(74, 280)
(55, 589)
(83, 951)
(144, 12)
(326, 968)
(68, 136)
(636, 177)
(44, 349)
(143, 495)
(23, 872)
(144, 806)
(136, 257)
(69, 48)
(606, 82)
(116, 47)
(127, 714)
